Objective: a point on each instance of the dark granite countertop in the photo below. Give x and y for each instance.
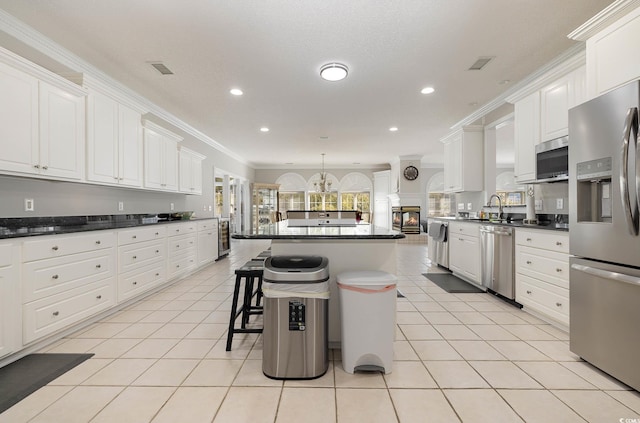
(281, 230)
(18, 227)
(518, 223)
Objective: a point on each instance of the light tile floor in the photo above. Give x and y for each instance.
(458, 357)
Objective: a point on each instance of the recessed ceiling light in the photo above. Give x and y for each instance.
(393, 129)
(324, 137)
(334, 72)
(264, 129)
(427, 90)
(504, 82)
(236, 91)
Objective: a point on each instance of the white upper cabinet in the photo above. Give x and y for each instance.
(526, 136)
(160, 158)
(41, 126)
(463, 160)
(555, 101)
(190, 171)
(613, 42)
(114, 144)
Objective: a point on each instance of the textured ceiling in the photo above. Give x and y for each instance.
(273, 49)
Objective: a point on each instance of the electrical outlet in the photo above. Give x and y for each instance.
(204, 208)
(460, 206)
(172, 206)
(210, 207)
(120, 205)
(559, 203)
(29, 204)
(538, 205)
(469, 206)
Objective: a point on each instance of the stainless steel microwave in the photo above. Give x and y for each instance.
(552, 160)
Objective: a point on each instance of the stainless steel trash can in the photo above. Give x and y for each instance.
(295, 314)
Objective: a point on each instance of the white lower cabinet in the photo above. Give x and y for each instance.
(207, 241)
(66, 278)
(10, 335)
(542, 273)
(142, 253)
(464, 250)
(182, 248)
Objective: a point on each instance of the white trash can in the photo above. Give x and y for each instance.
(368, 314)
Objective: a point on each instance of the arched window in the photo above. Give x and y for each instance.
(439, 202)
(355, 194)
(323, 200)
(291, 194)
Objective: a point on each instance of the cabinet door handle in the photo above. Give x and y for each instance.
(157, 251)
(55, 313)
(157, 274)
(134, 237)
(45, 167)
(528, 239)
(177, 265)
(157, 233)
(135, 283)
(36, 166)
(177, 245)
(528, 261)
(115, 177)
(54, 248)
(99, 297)
(98, 266)
(558, 270)
(135, 257)
(558, 304)
(528, 292)
(558, 243)
(54, 277)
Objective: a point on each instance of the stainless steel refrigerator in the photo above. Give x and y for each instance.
(604, 193)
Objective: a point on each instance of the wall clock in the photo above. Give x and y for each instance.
(410, 173)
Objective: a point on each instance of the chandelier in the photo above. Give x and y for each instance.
(322, 185)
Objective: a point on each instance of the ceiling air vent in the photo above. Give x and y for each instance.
(160, 67)
(481, 62)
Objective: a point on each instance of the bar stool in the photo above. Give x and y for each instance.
(250, 271)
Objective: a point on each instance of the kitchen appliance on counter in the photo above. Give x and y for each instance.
(438, 245)
(604, 193)
(497, 272)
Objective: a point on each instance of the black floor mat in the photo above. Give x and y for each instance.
(25, 376)
(452, 284)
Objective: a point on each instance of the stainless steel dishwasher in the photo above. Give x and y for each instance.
(497, 256)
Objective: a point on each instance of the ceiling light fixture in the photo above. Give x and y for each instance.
(334, 72)
(323, 184)
(236, 91)
(393, 129)
(427, 90)
(264, 129)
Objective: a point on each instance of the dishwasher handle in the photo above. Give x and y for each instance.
(486, 230)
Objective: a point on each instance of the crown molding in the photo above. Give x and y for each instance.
(101, 80)
(606, 17)
(152, 126)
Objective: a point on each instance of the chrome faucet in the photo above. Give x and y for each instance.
(499, 204)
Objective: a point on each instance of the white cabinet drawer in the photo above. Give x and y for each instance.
(45, 316)
(131, 236)
(547, 240)
(179, 244)
(181, 263)
(545, 298)
(459, 228)
(546, 265)
(207, 224)
(184, 228)
(51, 246)
(6, 255)
(48, 277)
(135, 283)
(135, 255)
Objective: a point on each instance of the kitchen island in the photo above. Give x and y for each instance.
(348, 248)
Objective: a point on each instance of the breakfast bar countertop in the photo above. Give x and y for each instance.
(282, 230)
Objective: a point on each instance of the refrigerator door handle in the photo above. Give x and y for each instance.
(630, 214)
(620, 277)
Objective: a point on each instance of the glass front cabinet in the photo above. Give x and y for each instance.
(264, 207)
